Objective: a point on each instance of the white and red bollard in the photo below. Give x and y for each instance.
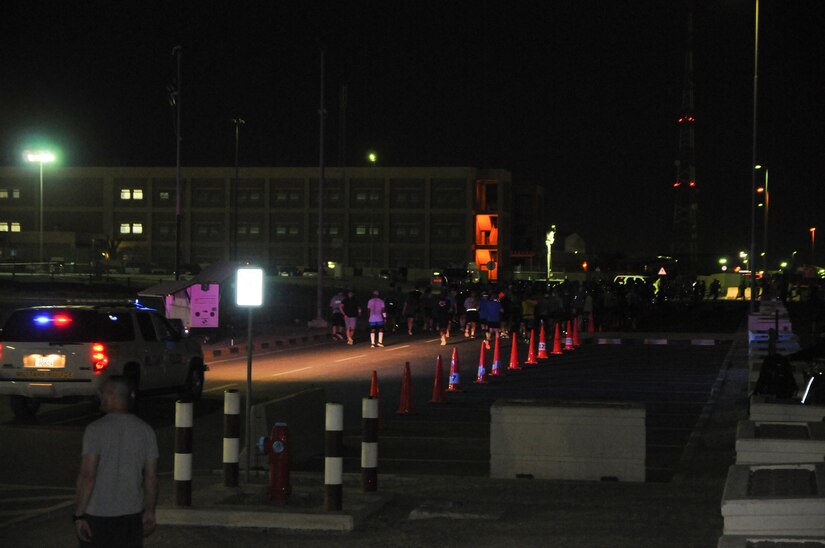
(231, 436)
(184, 419)
(369, 446)
(334, 457)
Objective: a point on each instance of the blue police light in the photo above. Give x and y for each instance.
(42, 320)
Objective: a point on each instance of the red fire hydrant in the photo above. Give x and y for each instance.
(277, 448)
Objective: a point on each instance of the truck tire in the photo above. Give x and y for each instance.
(23, 407)
(132, 372)
(193, 387)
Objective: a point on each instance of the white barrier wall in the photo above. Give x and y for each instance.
(779, 442)
(767, 408)
(567, 440)
(774, 499)
(765, 541)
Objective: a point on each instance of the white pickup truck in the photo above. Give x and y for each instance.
(63, 353)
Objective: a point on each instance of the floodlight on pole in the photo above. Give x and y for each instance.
(753, 151)
(249, 293)
(40, 157)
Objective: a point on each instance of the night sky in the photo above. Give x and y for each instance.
(580, 96)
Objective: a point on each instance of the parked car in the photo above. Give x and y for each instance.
(63, 353)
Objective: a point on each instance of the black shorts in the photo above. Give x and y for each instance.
(337, 319)
(472, 316)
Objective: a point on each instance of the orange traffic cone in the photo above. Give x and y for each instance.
(405, 406)
(514, 366)
(542, 344)
(591, 325)
(481, 377)
(557, 341)
(568, 337)
(455, 381)
(495, 369)
(576, 339)
(375, 394)
(439, 395)
(531, 349)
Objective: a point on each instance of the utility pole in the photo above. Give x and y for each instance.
(319, 297)
(176, 51)
(233, 252)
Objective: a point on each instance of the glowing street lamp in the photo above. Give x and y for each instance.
(813, 243)
(40, 157)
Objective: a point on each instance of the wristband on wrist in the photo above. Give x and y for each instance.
(78, 518)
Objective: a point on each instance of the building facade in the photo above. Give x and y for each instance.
(374, 218)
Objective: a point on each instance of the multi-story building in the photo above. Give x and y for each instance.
(374, 218)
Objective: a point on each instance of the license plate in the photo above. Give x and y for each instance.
(44, 361)
(46, 374)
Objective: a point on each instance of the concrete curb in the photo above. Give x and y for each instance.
(263, 345)
(246, 506)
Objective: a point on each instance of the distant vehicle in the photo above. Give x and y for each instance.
(458, 276)
(438, 280)
(63, 353)
(635, 278)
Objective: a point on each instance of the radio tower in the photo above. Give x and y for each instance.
(685, 232)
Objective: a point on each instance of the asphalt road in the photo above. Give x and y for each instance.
(38, 463)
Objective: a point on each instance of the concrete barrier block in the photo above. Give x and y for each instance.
(767, 408)
(759, 442)
(765, 541)
(567, 440)
(774, 499)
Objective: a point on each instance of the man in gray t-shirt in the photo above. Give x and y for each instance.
(117, 486)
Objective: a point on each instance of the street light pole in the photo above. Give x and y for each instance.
(233, 253)
(753, 151)
(40, 157)
(765, 223)
(319, 289)
(766, 205)
(373, 158)
(176, 51)
(40, 223)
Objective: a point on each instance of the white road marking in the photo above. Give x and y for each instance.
(221, 387)
(291, 371)
(397, 347)
(350, 358)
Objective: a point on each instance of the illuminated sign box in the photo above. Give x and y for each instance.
(250, 287)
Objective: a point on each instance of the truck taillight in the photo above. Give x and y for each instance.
(1, 351)
(99, 357)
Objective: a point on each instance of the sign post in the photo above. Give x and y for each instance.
(249, 287)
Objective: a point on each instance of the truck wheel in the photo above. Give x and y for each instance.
(132, 372)
(193, 387)
(24, 407)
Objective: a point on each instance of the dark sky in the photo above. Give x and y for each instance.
(581, 96)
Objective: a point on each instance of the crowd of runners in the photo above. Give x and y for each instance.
(488, 311)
